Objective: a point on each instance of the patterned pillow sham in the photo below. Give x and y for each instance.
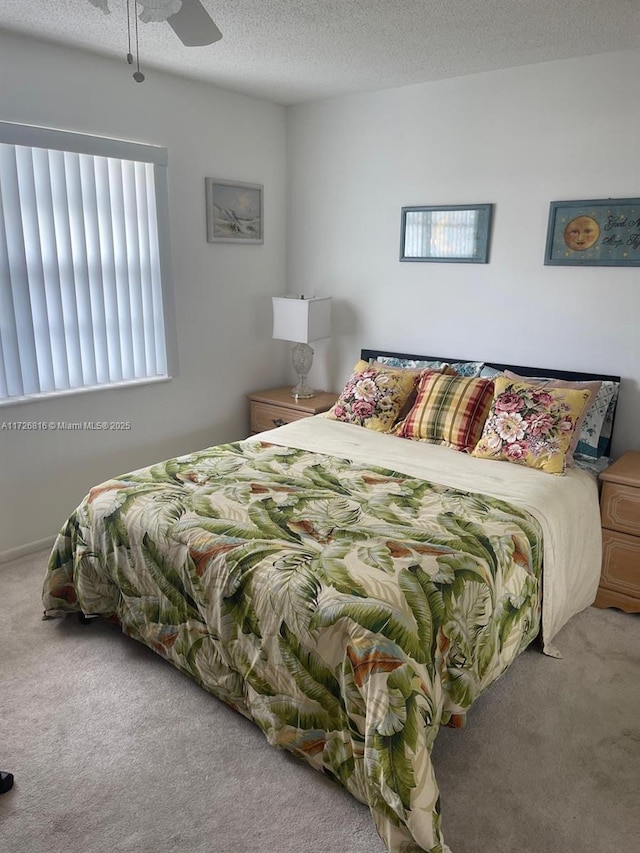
(604, 442)
(382, 365)
(467, 368)
(595, 435)
(592, 386)
(462, 368)
(489, 372)
(392, 361)
(593, 466)
(449, 410)
(373, 396)
(530, 425)
(418, 372)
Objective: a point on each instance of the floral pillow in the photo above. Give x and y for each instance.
(373, 396)
(592, 386)
(531, 425)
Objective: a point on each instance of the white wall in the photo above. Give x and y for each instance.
(222, 291)
(519, 138)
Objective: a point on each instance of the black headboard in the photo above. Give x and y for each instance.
(568, 375)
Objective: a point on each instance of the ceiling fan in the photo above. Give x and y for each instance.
(189, 20)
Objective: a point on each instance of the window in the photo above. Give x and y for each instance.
(84, 262)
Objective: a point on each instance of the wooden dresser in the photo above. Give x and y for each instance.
(277, 407)
(620, 512)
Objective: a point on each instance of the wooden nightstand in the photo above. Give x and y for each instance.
(276, 407)
(620, 512)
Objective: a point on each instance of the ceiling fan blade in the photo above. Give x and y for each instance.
(193, 26)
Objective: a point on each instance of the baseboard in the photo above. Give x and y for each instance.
(24, 550)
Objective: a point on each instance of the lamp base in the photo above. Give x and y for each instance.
(302, 357)
(302, 391)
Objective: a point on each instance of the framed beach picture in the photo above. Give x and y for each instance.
(594, 232)
(234, 211)
(457, 233)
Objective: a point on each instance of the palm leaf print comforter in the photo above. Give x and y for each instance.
(348, 610)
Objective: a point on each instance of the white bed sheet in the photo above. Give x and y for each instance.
(567, 507)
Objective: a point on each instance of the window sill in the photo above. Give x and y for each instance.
(72, 392)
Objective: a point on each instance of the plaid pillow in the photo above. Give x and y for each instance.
(449, 410)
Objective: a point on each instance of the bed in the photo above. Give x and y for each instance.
(346, 589)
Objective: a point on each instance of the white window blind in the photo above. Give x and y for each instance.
(446, 234)
(82, 269)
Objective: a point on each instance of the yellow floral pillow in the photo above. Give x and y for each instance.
(531, 424)
(374, 396)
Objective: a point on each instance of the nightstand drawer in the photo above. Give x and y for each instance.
(620, 562)
(620, 508)
(266, 416)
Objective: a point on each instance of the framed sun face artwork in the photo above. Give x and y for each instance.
(594, 232)
(234, 211)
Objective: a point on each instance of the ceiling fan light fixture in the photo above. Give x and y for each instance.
(157, 10)
(190, 21)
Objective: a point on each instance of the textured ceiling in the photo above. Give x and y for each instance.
(291, 51)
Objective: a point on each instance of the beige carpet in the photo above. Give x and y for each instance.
(114, 751)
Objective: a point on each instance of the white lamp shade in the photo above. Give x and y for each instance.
(301, 320)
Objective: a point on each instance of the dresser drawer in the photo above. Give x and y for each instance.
(266, 416)
(621, 563)
(620, 508)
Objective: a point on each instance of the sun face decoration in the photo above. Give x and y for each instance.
(581, 233)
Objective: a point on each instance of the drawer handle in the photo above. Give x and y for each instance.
(278, 422)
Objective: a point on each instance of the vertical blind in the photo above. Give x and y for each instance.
(445, 234)
(81, 272)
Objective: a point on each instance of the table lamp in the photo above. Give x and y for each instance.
(301, 320)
